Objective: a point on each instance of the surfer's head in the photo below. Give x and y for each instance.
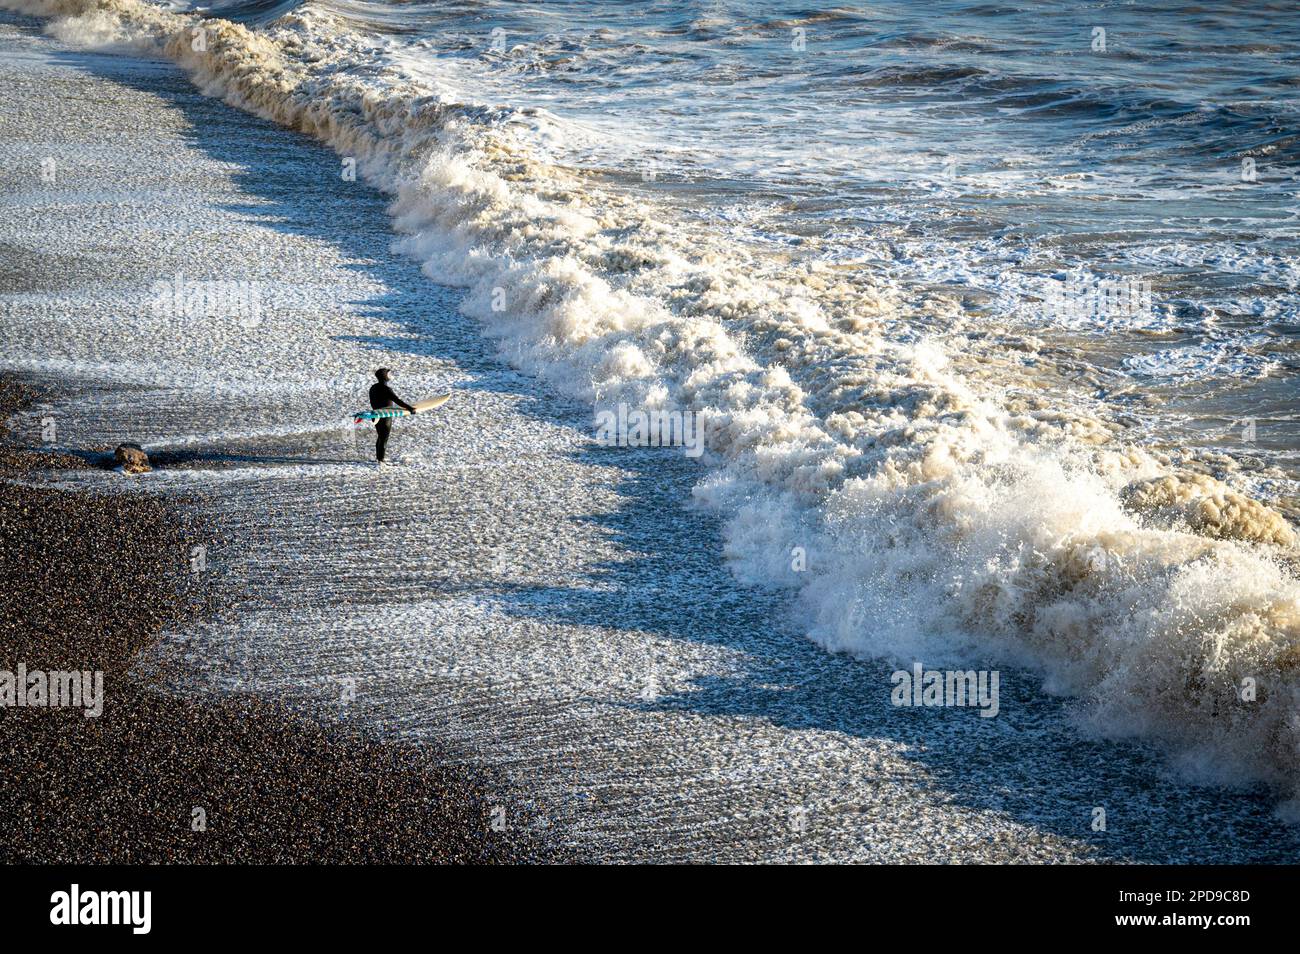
(383, 374)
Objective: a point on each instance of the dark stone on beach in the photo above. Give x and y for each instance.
(132, 458)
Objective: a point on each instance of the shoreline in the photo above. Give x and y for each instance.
(273, 786)
(555, 612)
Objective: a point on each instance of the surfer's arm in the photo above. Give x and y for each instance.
(388, 395)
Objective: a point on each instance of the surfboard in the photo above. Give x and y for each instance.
(432, 402)
(420, 406)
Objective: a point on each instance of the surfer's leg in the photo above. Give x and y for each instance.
(383, 427)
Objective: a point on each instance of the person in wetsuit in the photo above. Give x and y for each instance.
(382, 396)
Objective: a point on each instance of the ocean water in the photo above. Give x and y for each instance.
(990, 312)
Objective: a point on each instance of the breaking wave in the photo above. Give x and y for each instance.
(947, 512)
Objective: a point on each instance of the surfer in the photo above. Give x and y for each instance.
(382, 396)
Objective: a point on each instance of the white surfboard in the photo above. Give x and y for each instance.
(432, 402)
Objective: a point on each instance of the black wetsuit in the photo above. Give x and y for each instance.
(382, 396)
